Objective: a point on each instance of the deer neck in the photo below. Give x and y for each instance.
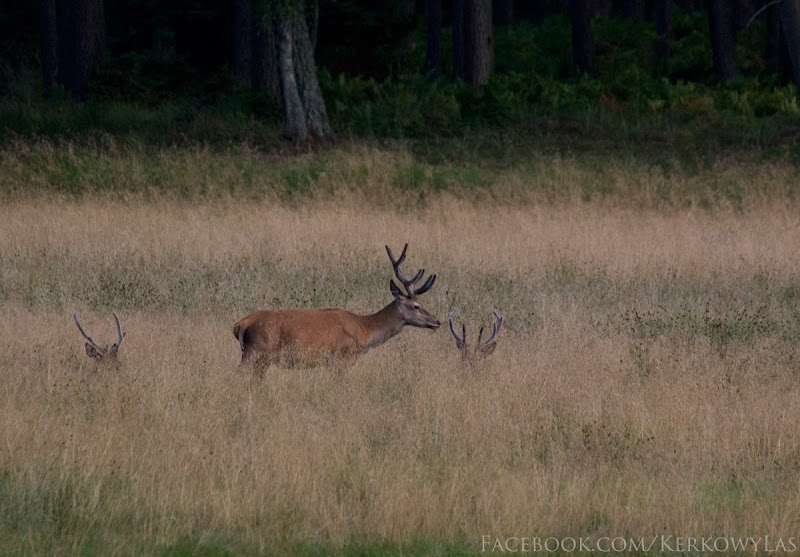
(383, 325)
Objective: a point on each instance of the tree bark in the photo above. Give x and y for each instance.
(295, 126)
(304, 106)
(723, 44)
(242, 52)
(743, 10)
(773, 45)
(433, 55)
(48, 44)
(790, 25)
(582, 40)
(81, 43)
(479, 48)
(601, 8)
(663, 16)
(266, 72)
(503, 13)
(633, 9)
(458, 39)
(307, 82)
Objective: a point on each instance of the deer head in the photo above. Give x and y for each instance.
(482, 349)
(94, 350)
(413, 314)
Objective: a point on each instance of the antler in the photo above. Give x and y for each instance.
(488, 346)
(408, 283)
(115, 347)
(93, 349)
(461, 343)
(482, 349)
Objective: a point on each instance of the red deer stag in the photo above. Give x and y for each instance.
(482, 349)
(94, 350)
(294, 336)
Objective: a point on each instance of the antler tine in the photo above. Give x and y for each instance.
(495, 328)
(408, 283)
(87, 337)
(426, 285)
(399, 259)
(460, 342)
(115, 347)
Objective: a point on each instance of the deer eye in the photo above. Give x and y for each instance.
(416, 307)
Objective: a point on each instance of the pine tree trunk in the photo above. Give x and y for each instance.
(307, 83)
(723, 44)
(633, 9)
(504, 13)
(242, 52)
(81, 43)
(776, 54)
(582, 40)
(479, 49)
(790, 25)
(433, 56)
(266, 73)
(304, 106)
(663, 9)
(48, 44)
(458, 39)
(295, 126)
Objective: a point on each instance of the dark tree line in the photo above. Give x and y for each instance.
(272, 46)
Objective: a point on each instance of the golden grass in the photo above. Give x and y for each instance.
(645, 382)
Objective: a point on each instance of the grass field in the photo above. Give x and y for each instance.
(645, 382)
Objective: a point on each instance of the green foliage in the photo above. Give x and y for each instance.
(543, 49)
(157, 97)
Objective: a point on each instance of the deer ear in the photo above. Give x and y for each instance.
(92, 352)
(395, 290)
(488, 349)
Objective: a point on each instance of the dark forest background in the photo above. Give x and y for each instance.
(262, 71)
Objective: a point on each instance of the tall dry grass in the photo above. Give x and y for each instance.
(646, 379)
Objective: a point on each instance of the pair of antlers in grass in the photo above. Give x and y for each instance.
(94, 350)
(482, 349)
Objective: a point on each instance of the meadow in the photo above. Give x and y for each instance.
(645, 381)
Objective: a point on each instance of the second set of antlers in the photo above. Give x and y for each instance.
(482, 349)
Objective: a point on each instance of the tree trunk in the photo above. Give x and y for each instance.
(81, 43)
(663, 13)
(308, 85)
(48, 44)
(433, 56)
(479, 48)
(790, 25)
(313, 31)
(743, 10)
(295, 126)
(503, 13)
(720, 14)
(582, 40)
(458, 39)
(266, 71)
(633, 9)
(242, 52)
(773, 45)
(304, 107)
(601, 8)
